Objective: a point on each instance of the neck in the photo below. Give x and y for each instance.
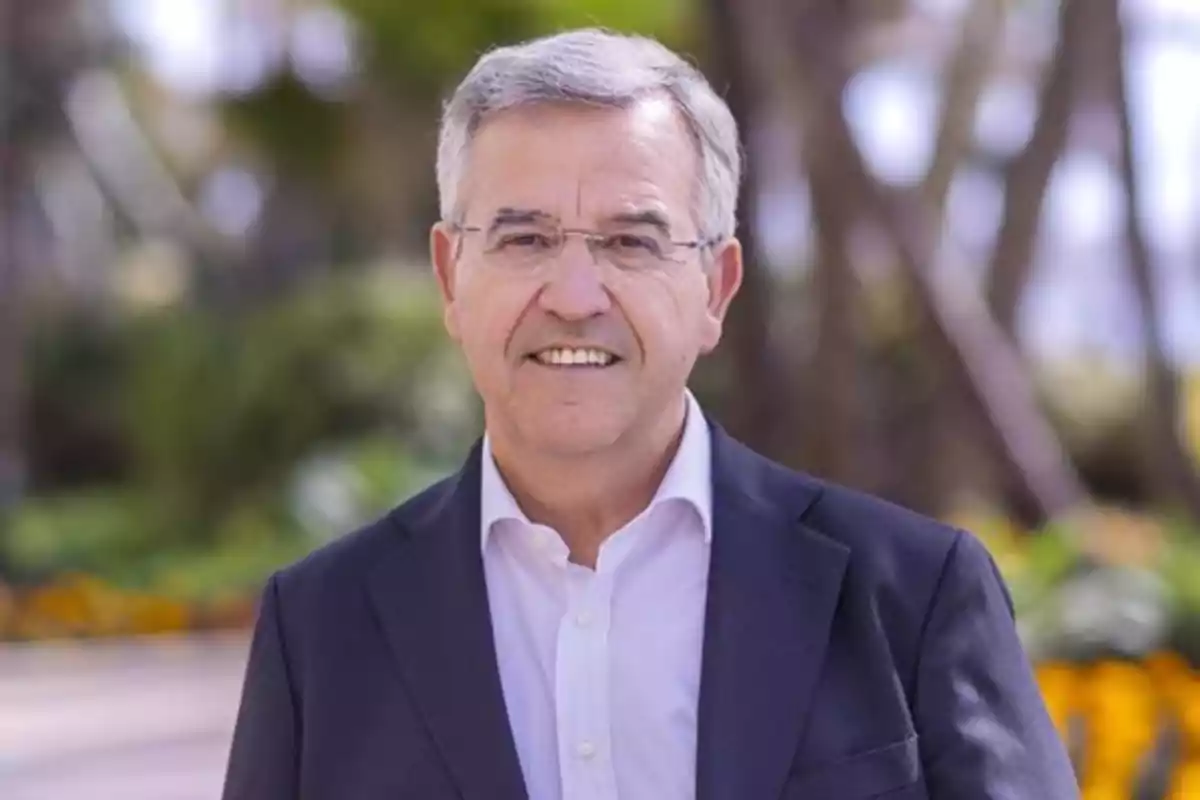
(589, 497)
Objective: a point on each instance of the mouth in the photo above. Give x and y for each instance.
(574, 358)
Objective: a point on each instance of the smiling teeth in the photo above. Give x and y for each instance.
(571, 357)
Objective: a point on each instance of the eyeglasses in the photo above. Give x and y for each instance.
(523, 247)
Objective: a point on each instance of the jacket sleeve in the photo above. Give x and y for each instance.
(983, 726)
(263, 757)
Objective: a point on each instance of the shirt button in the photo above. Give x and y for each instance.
(583, 619)
(586, 751)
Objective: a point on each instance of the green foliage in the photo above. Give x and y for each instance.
(76, 368)
(234, 428)
(1180, 569)
(231, 570)
(667, 20)
(304, 134)
(344, 487)
(416, 47)
(422, 48)
(1048, 559)
(89, 531)
(1133, 592)
(129, 539)
(219, 411)
(124, 536)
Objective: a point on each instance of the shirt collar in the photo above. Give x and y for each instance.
(688, 478)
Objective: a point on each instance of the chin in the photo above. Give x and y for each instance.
(570, 433)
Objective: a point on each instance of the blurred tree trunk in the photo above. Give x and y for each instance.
(15, 101)
(1172, 469)
(833, 396)
(766, 405)
(979, 359)
(12, 340)
(942, 457)
(1028, 174)
(922, 427)
(43, 50)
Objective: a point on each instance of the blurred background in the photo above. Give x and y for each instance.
(973, 287)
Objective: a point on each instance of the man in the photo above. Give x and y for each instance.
(612, 598)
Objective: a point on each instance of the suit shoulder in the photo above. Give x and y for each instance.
(348, 558)
(875, 530)
(867, 522)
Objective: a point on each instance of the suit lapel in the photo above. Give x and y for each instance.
(431, 599)
(773, 590)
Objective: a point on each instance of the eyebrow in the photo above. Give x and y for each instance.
(527, 216)
(518, 216)
(655, 219)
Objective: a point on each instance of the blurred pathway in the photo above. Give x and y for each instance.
(136, 720)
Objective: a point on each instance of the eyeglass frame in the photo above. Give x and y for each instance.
(591, 236)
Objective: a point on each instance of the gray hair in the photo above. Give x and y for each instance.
(596, 67)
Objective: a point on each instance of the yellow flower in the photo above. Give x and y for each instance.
(1060, 685)
(1185, 785)
(1122, 709)
(1172, 678)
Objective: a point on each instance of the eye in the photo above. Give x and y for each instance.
(525, 240)
(632, 243)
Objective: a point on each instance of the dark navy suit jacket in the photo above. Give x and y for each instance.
(852, 650)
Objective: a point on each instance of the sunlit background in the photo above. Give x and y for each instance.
(973, 287)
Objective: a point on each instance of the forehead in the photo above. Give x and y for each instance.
(580, 163)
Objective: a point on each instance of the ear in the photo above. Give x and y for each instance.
(443, 248)
(724, 278)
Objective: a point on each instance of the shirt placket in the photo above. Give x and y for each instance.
(582, 696)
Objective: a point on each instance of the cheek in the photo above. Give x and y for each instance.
(487, 315)
(669, 316)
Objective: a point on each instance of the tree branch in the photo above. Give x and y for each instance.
(130, 172)
(1029, 173)
(966, 77)
(981, 358)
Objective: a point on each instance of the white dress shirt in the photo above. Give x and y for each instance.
(601, 669)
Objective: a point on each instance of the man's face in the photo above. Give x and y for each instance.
(526, 313)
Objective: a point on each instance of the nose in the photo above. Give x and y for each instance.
(574, 290)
